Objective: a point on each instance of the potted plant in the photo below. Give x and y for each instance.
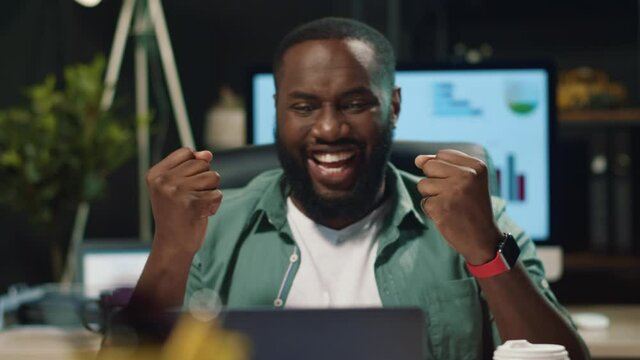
(56, 151)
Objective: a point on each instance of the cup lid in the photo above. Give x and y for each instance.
(522, 349)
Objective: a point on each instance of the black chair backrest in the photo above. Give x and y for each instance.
(238, 166)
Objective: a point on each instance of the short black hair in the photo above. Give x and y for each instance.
(333, 28)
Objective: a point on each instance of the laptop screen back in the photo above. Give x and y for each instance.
(373, 334)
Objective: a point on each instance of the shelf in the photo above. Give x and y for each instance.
(577, 261)
(603, 279)
(624, 115)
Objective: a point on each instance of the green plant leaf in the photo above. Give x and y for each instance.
(10, 158)
(93, 187)
(57, 149)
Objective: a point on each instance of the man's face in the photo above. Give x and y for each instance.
(334, 127)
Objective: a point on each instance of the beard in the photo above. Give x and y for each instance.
(357, 203)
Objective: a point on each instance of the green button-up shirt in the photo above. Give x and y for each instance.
(250, 258)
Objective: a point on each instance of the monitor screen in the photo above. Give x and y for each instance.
(109, 265)
(508, 109)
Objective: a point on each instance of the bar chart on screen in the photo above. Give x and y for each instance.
(511, 184)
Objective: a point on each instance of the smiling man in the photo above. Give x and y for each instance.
(334, 128)
(338, 226)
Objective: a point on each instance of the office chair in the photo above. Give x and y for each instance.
(238, 166)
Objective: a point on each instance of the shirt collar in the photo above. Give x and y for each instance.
(273, 203)
(407, 205)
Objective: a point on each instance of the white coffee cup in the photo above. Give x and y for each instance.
(524, 350)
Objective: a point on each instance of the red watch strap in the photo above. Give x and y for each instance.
(494, 267)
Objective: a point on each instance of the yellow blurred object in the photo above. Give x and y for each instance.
(587, 88)
(130, 353)
(191, 339)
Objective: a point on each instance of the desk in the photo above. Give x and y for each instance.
(622, 338)
(48, 342)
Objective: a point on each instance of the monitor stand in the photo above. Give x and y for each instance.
(552, 259)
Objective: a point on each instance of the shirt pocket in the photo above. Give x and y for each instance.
(454, 319)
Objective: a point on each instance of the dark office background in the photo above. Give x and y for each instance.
(215, 42)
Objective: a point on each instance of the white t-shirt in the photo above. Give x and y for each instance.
(336, 266)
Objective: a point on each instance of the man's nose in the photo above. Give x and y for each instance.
(330, 124)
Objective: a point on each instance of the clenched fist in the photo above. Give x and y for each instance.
(456, 197)
(184, 193)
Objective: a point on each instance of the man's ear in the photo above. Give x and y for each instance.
(396, 99)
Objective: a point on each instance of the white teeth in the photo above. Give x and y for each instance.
(327, 170)
(332, 157)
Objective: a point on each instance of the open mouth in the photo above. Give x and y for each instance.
(333, 168)
(333, 162)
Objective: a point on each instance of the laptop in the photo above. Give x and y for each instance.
(368, 333)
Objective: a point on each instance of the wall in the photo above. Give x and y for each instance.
(216, 41)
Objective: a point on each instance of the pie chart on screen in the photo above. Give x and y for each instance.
(522, 96)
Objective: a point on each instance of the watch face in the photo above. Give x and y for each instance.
(510, 250)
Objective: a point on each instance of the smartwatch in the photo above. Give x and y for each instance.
(505, 260)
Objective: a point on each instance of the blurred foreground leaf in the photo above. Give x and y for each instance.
(191, 339)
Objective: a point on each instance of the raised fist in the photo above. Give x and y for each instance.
(456, 197)
(184, 193)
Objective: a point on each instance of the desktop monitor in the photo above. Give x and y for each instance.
(509, 109)
(107, 264)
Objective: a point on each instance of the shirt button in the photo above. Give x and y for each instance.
(277, 302)
(544, 283)
(293, 258)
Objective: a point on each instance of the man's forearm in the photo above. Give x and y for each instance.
(522, 312)
(164, 278)
(184, 194)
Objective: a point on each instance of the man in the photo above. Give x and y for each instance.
(339, 226)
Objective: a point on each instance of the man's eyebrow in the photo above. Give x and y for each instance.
(360, 90)
(301, 95)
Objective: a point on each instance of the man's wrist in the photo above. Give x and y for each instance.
(481, 258)
(486, 253)
(505, 259)
(169, 249)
